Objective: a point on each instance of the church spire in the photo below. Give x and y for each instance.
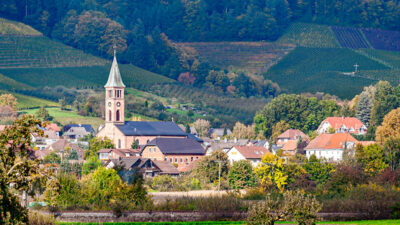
(114, 79)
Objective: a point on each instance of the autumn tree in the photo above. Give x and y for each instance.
(17, 167)
(241, 175)
(241, 131)
(8, 100)
(208, 166)
(43, 114)
(271, 172)
(390, 126)
(319, 170)
(202, 126)
(371, 158)
(278, 129)
(97, 143)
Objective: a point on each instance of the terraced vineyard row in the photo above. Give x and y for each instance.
(255, 57)
(383, 39)
(41, 52)
(350, 37)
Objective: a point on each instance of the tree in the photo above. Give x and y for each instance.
(63, 190)
(278, 129)
(91, 164)
(187, 129)
(319, 171)
(97, 143)
(17, 167)
(202, 126)
(63, 104)
(43, 114)
(241, 131)
(208, 166)
(371, 158)
(271, 172)
(364, 108)
(8, 100)
(241, 175)
(390, 126)
(52, 158)
(391, 151)
(385, 101)
(135, 144)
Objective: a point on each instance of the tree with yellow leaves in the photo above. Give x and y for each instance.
(271, 172)
(390, 126)
(8, 100)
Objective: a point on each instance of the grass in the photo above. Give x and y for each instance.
(25, 101)
(67, 117)
(321, 69)
(309, 35)
(359, 222)
(8, 27)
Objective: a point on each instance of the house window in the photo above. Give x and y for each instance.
(176, 160)
(109, 115)
(165, 159)
(187, 160)
(117, 115)
(109, 93)
(197, 157)
(119, 143)
(181, 160)
(191, 159)
(155, 159)
(170, 160)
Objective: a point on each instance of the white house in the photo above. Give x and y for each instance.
(330, 146)
(342, 125)
(253, 154)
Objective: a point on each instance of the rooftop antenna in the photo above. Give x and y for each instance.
(356, 68)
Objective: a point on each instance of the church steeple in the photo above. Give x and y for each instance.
(115, 102)
(114, 79)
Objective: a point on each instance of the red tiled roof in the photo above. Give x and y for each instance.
(290, 145)
(252, 152)
(331, 141)
(293, 134)
(348, 122)
(53, 127)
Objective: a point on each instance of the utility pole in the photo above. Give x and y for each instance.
(356, 68)
(219, 174)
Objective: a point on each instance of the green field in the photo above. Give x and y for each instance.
(25, 102)
(67, 117)
(389, 58)
(309, 35)
(359, 222)
(322, 69)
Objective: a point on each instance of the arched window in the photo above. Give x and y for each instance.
(117, 117)
(109, 115)
(119, 143)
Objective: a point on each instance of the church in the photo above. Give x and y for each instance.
(124, 133)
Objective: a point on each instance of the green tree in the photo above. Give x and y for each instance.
(97, 143)
(135, 144)
(52, 158)
(91, 164)
(208, 166)
(371, 158)
(16, 167)
(63, 190)
(43, 114)
(319, 171)
(391, 151)
(271, 172)
(62, 103)
(364, 108)
(241, 175)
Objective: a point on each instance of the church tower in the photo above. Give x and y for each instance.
(115, 103)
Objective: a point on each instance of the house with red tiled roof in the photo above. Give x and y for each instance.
(108, 154)
(291, 134)
(253, 154)
(330, 146)
(342, 125)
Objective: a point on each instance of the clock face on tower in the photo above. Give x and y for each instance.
(118, 104)
(109, 104)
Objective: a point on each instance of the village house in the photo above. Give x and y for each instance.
(41, 142)
(147, 167)
(330, 146)
(124, 133)
(77, 131)
(253, 154)
(108, 154)
(225, 145)
(63, 147)
(291, 134)
(218, 133)
(342, 125)
(180, 151)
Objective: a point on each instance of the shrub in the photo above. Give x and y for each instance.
(36, 218)
(395, 211)
(164, 183)
(241, 175)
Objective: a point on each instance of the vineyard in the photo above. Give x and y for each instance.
(389, 58)
(41, 52)
(383, 39)
(8, 27)
(254, 57)
(224, 107)
(350, 37)
(309, 35)
(323, 69)
(83, 77)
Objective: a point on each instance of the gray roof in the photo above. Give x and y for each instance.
(177, 146)
(150, 128)
(114, 79)
(220, 131)
(127, 163)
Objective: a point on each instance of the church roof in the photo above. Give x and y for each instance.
(150, 128)
(114, 79)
